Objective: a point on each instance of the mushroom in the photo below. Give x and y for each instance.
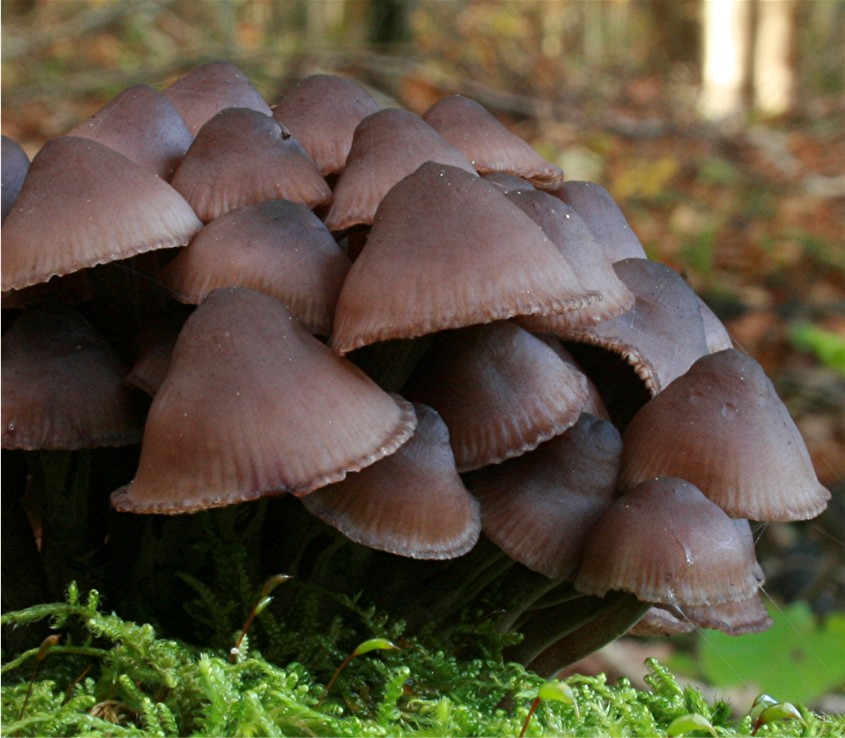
(209, 88)
(276, 246)
(253, 405)
(240, 157)
(487, 143)
(722, 427)
(454, 252)
(539, 507)
(83, 204)
(143, 125)
(665, 542)
(500, 390)
(387, 146)
(411, 503)
(322, 112)
(63, 385)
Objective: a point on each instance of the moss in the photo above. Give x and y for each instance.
(110, 676)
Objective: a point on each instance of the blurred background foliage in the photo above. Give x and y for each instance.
(751, 210)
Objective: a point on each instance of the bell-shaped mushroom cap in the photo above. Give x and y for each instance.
(604, 218)
(15, 165)
(500, 390)
(723, 427)
(276, 246)
(209, 88)
(411, 503)
(242, 157)
(142, 124)
(252, 405)
(539, 507)
(321, 112)
(63, 385)
(387, 146)
(490, 146)
(665, 542)
(662, 334)
(83, 204)
(447, 250)
(592, 268)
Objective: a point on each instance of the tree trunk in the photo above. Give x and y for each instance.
(727, 53)
(774, 68)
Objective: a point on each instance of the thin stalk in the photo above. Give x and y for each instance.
(618, 614)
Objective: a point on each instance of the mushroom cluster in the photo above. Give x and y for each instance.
(414, 325)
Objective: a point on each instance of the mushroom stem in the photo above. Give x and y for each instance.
(614, 620)
(562, 634)
(521, 589)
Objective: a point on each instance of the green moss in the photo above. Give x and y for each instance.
(109, 676)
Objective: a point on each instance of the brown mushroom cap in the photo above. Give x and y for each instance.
(209, 88)
(387, 146)
(661, 335)
(723, 427)
(447, 249)
(411, 503)
(252, 405)
(500, 390)
(15, 165)
(142, 124)
(276, 246)
(490, 146)
(539, 507)
(322, 112)
(63, 385)
(592, 268)
(83, 204)
(604, 218)
(665, 542)
(241, 157)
